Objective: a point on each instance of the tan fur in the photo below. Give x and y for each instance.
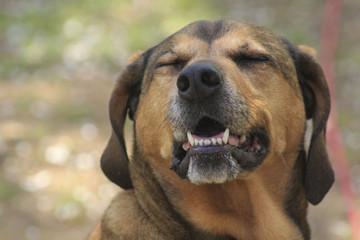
(223, 207)
(96, 232)
(308, 50)
(134, 56)
(250, 207)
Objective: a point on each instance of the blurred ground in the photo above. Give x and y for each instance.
(58, 62)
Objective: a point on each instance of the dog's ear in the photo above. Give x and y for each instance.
(319, 175)
(114, 160)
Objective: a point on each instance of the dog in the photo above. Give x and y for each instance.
(219, 114)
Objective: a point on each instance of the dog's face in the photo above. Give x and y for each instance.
(217, 104)
(218, 100)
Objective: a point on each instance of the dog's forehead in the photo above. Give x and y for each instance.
(223, 37)
(204, 39)
(208, 31)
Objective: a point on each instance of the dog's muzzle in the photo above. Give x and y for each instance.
(216, 143)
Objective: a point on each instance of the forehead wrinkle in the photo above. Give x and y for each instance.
(234, 44)
(209, 31)
(187, 46)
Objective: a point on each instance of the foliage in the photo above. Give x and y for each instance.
(43, 35)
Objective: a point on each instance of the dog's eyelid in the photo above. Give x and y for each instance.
(178, 63)
(251, 58)
(251, 55)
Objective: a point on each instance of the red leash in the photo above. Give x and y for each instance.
(328, 43)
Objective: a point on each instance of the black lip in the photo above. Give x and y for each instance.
(248, 160)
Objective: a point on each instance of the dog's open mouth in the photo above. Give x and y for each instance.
(213, 150)
(211, 133)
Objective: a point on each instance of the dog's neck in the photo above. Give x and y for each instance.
(249, 208)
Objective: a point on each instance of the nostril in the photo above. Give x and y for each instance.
(198, 81)
(183, 83)
(211, 78)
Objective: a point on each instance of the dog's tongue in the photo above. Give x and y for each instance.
(232, 140)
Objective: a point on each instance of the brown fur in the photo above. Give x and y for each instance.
(269, 202)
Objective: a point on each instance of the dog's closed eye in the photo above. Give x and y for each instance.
(177, 64)
(243, 60)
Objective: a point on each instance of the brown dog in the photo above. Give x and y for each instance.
(219, 111)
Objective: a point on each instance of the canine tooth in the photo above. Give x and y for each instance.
(226, 136)
(196, 142)
(190, 138)
(201, 142)
(207, 142)
(242, 139)
(213, 140)
(219, 141)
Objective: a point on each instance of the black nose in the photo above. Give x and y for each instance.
(198, 81)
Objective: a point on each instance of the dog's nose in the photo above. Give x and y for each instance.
(198, 81)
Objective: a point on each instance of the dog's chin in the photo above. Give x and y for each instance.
(216, 164)
(212, 165)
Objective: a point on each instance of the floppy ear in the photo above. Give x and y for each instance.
(114, 160)
(318, 176)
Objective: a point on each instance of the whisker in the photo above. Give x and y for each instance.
(161, 109)
(283, 160)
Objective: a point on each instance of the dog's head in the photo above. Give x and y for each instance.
(218, 100)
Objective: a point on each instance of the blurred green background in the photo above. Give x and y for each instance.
(58, 63)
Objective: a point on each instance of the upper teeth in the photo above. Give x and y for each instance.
(225, 138)
(209, 141)
(190, 138)
(242, 139)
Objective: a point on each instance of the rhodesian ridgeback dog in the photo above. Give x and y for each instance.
(219, 114)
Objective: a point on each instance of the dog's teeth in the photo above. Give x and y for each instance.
(219, 141)
(207, 142)
(213, 140)
(242, 139)
(196, 142)
(226, 136)
(201, 142)
(190, 138)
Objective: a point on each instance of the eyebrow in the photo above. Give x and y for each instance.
(168, 51)
(163, 53)
(210, 31)
(247, 48)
